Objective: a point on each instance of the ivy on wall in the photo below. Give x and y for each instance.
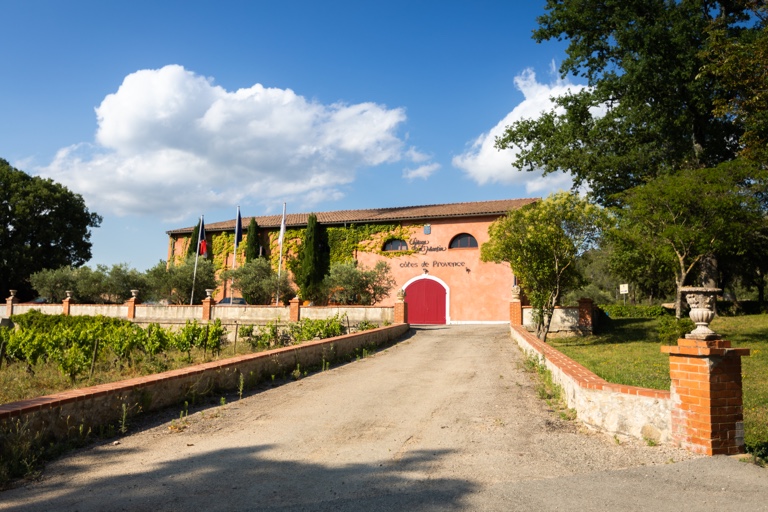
(346, 241)
(223, 245)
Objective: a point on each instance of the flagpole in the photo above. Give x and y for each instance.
(280, 261)
(238, 235)
(197, 255)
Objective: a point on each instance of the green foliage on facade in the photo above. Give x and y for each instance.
(346, 242)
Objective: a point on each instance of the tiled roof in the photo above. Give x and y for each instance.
(381, 215)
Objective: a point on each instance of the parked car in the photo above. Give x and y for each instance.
(232, 301)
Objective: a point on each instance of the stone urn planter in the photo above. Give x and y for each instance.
(702, 303)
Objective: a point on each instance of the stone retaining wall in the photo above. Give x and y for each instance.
(565, 321)
(168, 316)
(58, 415)
(613, 408)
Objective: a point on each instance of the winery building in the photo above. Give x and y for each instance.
(432, 250)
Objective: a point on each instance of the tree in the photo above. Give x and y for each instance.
(541, 241)
(314, 262)
(193, 245)
(89, 286)
(43, 225)
(52, 284)
(735, 58)
(648, 109)
(174, 283)
(647, 269)
(349, 284)
(257, 281)
(252, 245)
(689, 216)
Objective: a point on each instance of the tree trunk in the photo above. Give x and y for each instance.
(709, 274)
(679, 298)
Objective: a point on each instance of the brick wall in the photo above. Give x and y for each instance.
(613, 408)
(55, 415)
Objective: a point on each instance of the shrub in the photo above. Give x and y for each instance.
(670, 329)
(632, 311)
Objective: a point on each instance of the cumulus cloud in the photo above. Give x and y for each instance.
(171, 142)
(423, 171)
(485, 164)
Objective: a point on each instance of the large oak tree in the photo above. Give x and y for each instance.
(649, 107)
(43, 225)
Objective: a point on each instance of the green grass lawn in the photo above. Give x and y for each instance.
(628, 352)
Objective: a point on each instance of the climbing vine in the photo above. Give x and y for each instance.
(223, 245)
(345, 241)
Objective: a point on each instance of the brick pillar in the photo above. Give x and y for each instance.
(295, 310)
(515, 312)
(401, 312)
(9, 302)
(66, 304)
(585, 316)
(131, 303)
(516, 307)
(707, 415)
(207, 307)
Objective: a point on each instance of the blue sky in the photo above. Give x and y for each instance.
(158, 112)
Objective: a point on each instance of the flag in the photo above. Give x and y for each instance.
(203, 247)
(238, 229)
(238, 235)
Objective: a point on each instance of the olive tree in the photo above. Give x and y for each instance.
(542, 241)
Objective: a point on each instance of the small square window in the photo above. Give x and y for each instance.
(427, 229)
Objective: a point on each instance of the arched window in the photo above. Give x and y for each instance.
(396, 245)
(463, 241)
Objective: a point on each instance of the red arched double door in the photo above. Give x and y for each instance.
(426, 302)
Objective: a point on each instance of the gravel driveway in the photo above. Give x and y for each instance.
(444, 420)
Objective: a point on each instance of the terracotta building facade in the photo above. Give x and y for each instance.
(433, 252)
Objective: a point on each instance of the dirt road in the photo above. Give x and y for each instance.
(444, 420)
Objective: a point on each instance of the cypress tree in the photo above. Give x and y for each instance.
(192, 247)
(252, 241)
(314, 261)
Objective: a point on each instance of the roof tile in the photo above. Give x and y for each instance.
(425, 212)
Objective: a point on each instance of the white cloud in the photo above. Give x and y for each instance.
(485, 164)
(423, 171)
(170, 143)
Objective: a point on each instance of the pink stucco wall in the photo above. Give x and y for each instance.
(477, 291)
